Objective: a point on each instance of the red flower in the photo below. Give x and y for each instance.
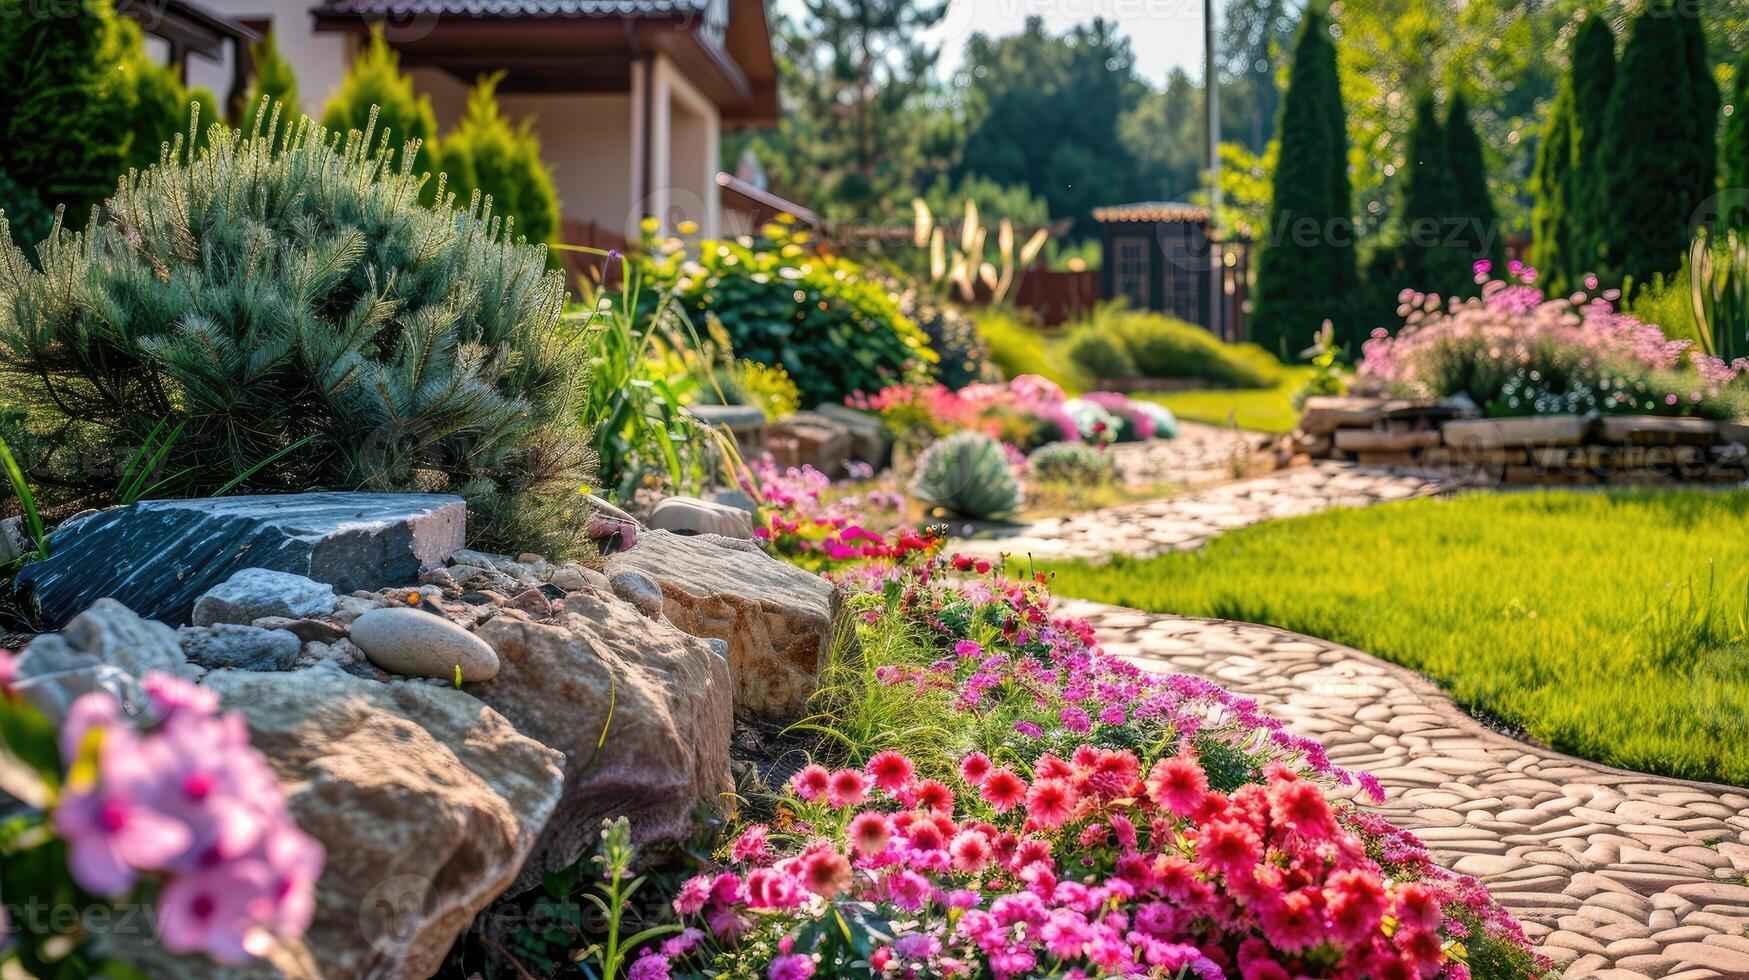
(974, 767)
(1178, 784)
(1051, 802)
(1300, 806)
(825, 872)
(810, 784)
(1003, 789)
(1229, 847)
(869, 832)
(1357, 903)
(932, 795)
(847, 788)
(890, 770)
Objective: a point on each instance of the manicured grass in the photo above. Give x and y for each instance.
(1260, 409)
(1611, 626)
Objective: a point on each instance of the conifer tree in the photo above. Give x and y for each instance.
(58, 138)
(1702, 103)
(153, 104)
(1306, 270)
(488, 154)
(274, 84)
(1552, 220)
(1736, 149)
(1656, 168)
(1592, 73)
(1482, 236)
(376, 80)
(1432, 258)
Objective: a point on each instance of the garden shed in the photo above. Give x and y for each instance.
(1158, 256)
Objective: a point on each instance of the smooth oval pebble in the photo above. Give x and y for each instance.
(418, 644)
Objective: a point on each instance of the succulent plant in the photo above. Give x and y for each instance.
(969, 474)
(1071, 462)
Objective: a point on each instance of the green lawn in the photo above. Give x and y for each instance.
(1611, 626)
(1260, 409)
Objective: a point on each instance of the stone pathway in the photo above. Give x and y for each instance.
(1617, 875)
(1188, 521)
(1200, 456)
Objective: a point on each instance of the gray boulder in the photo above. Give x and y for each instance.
(105, 647)
(257, 593)
(227, 646)
(158, 556)
(778, 620)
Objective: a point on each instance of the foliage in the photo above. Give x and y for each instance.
(158, 105)
(1247, 190)
(1658, 169)
(29, 216)
(833, 325)
(953, 335)
(1429, 207)
(259, 296)
(274, 84)
(1268, 409)
(1553, 233)
(970, 474)
(1100, 353)
(1516, 353)
(612, 899)
(766, 387)
(63, 109)
(375, 89)
(1719, 278)
(485, 153)
(1481, 237)
(1327, 376)
(1627, 655)
(1017, 350)
(1071, 462)
(1162, 347)
(1020, 129)
(1016, 202)
(1736, 145)
(1667, 301)
(1593, 74)
(232, 847)
(33, 522)
(1005, 800)
(1307, 264)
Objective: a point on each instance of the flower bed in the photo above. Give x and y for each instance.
(1514, 351)
(1009, 801)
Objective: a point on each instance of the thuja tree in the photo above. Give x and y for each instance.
(300, 308)
(1306, 269)
(1480, 234)
(488, 154)
(1431, 249)
(1552, 221)
(376, 85)
(275, 85)
(1657, 168)
(1737, 136)
(1593, 77)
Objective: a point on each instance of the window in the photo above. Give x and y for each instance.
(1184, 272)
(1130, 271)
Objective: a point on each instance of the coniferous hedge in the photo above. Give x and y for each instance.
(1482, 237)
(486, 153)
(1306, 269)
(300, 308)
(1431, 258)
(1736, 149)
(1657, 168)
(275, 84)
(1593, 77)
(1552, 220)
(376, 82)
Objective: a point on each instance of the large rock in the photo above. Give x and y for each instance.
(106, 647)
(810, 439)
(427, 802)
(256, 593)
(157, 556)
(227, 646)
(642, 712)
(692, 515)
(777, 619)
(869, 440)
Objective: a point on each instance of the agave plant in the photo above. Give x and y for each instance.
(968, 473)
(1719, 284)
(966, 266)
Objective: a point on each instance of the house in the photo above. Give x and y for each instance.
(630, 98)
(1162, 256)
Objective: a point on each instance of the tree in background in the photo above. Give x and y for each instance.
(376, 80)
(1306, 269)
(1044, 111)
(1702, 104)
(1736, 148)
(59, 141)
(155, 105)
(1255, 35)
(274, 84)
(486, 153)
(1552, 222)
(1164, 135)
(1657, 169)
(1431, 258)
(1482, 235)
(1592, 74)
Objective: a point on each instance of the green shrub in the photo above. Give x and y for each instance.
(969, 474)
(375, 84)
(29, 216)
(766, 387)
(274, 84)
(300, 308)
(953, 336)
(1018, 349)
(1162, 347)
(158, 103)
(1071, 462)
(486, 153)
(828, 322)
(1099, 353)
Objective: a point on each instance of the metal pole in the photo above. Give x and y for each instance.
(1212, 95)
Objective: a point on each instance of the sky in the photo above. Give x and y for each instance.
(1164, 34)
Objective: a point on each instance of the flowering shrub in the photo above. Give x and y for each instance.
(1075, 816)
(1516, 352)
(1027, 412)
(808, 526)
(173, 805)
(1140, 420)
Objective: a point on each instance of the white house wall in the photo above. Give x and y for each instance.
(319, 60)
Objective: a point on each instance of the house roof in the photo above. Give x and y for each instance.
(510, 8)
(1152, 211)
(763, 203)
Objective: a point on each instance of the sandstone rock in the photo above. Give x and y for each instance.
(777, 619)
(869, 440)
(105, 646)
(318, 630)
(1470, 435)
(642, 712)
(576, 578)
(640, 590)
(1372, 440)
(427, 802)
(1326, 413)
(414, 643)
(1654, 430)
(157, 556)
(691, 515)
(534, 602)
(228, 646)
(343, 654)
(253, 593)
(810, 439)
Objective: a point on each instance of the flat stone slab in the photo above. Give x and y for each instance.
(1658, 430)
(1327, 413)
(1529, 430)
(1372, 440)
(158, 556)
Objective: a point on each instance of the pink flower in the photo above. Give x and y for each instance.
(693, 895)
(824, 871)
(1003, 789)
(811, 783)
(791, 968)
(111, 837)
(218, 911)
(970, 850)
(890, 770)
(869, 832)
(1051, 802)
(1178, 784)
(1229, 847)
(751, 845)
(847, 788)
(649, 965)
(974, 767)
